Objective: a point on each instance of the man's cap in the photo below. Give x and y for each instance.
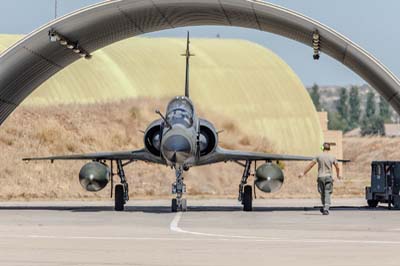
(326, 146)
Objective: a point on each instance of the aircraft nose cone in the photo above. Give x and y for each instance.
(176, 149)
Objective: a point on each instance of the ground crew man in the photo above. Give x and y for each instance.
(325, 176)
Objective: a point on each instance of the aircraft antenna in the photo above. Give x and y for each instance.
(187, 55)
(55, 9)
(163, 118)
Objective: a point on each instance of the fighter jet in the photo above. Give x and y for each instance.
(181, 140)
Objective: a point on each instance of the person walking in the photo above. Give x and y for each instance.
(325, 179)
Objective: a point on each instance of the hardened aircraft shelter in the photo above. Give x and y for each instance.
(37, 57)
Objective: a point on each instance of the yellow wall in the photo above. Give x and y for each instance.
(237, 78)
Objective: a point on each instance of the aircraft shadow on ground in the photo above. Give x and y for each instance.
(167, 209)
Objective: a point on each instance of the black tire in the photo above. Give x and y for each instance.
(119, 198)
(372, 203)
(174, 205)
(247, 198)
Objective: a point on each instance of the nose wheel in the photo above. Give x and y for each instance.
(179, 188)
(178, 205)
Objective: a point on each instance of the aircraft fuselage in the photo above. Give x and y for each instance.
(180, 133)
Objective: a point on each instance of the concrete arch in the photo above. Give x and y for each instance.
(33, 60)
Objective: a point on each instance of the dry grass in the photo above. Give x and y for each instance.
(245, 141)
(38, 131)
(98, 127)
(362, 151)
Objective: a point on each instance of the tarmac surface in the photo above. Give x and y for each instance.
(212, 232)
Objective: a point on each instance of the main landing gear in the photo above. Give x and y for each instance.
(121, 190)
(246, 191)
(178, 188)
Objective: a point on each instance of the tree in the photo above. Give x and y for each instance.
(315, 97)
(343, 107)
(372, 123)
(343, 110)
(384, 110)
(370, 108)
(335, 122)
(355, 108)
(373, 126)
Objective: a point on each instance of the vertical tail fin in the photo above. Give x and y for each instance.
(187, 55)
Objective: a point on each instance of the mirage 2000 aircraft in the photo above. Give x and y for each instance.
(180, 140)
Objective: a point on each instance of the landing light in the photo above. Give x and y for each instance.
(54, 37)
(76, 50)
(63, 41)
(316, 44)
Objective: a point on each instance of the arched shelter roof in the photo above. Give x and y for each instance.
(34, 59)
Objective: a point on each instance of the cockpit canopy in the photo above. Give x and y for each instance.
(180, 111)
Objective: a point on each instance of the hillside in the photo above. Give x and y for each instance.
(329, 95)
(115, 126)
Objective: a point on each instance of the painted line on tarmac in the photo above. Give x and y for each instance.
(220, 239)
(174, 226)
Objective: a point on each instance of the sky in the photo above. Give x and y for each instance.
(373, 24)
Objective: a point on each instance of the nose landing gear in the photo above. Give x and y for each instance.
(178, 188)
(245, 191)
(121, 190)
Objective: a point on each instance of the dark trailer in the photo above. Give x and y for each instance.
(385, 184)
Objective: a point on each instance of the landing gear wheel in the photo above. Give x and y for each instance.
(119, 197)
(247, 198)
(372, 203)
(121, 190)
(178, 188)
(174, 205)
(183, 205)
